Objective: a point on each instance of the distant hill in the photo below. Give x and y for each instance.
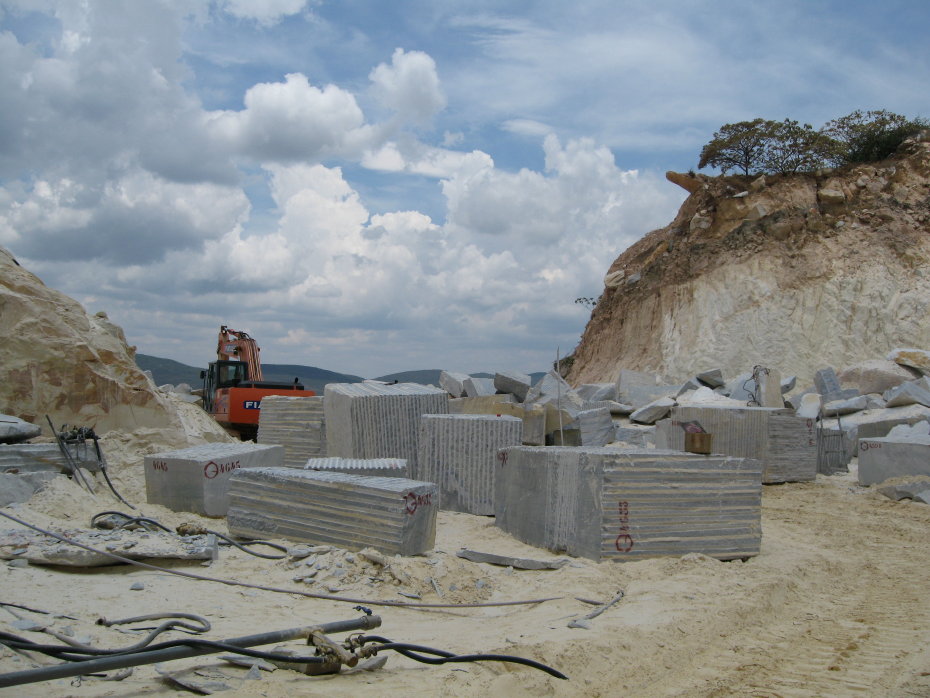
(174, 372)
(431, 376)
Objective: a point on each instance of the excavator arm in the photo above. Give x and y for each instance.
(236, 345)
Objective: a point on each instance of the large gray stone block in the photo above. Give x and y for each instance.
(459, 453)
(627, 504)
(909, 393)
(196, 479)
(13, 429)
(891, 457)
(785, 444)
(370, 420)
(479, 387)
(653, 412)
(297, 424)
(393, 515)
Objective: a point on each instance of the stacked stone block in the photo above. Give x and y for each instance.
(373, 420)
(459, 453)
(370, 467)
(627, 504)
(297, 423)
(196, 479)
(785, 444)
(393, 515)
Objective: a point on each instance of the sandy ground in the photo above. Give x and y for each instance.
(836, 604)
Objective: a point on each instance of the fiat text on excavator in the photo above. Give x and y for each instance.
(233, 387)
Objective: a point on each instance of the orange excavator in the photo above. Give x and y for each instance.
(233, 387)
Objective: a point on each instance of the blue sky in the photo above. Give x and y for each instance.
(373, 187)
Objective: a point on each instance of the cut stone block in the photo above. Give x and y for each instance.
(366, 420)
(888, 457)
(653, 412)
(459, 453)
(370, 467)
(785, 444)
(477, 387)
(636, 437)
(552, 389)
(595, 427)
(533, 416)
(768, 390)
(453, 383)
(627, 504)
(297, 423)
(393, 515)
(196, 479)
(787, 384)
(45, 457)
(826, 381)
(739, 388)
(513, 382)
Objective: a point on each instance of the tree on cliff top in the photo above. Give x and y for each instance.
(768, 147)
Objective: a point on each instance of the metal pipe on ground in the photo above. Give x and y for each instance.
(121, 661)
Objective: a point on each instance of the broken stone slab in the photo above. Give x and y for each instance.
(372, 467)
(453, 382)
(513, 382)
(783, 443)
(553, 390)
(712, 378)
(788, 384)
(14, 430)
(626, 504)
(653, 412)
(826, 381)
(195, 479)
(40, 549)
(810, 406)
(740, 388)
(918, 359)
(876, 375)
(705, 396)
(848, 406)
(458, 452)
(378, 421)
(909, 393)
(689, 385)
(884, 458)
(392, 515)
(909, 431)
(518, 563)
(478, 387)
(596, 392)
(876, 423)
(614, 407)
(907, 490)
(14, 489)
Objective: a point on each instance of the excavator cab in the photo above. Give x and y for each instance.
(222, 374)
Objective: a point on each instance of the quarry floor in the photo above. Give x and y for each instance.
(836, 604)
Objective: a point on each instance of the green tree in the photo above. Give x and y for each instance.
(871, 135)
(739, 146)
(792, 147)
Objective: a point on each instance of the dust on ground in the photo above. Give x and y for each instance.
(837, 603)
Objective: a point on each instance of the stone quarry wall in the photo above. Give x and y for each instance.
(792, 272)
(58, 360)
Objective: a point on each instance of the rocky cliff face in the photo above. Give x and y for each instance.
(791, 272)
(57, 360)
